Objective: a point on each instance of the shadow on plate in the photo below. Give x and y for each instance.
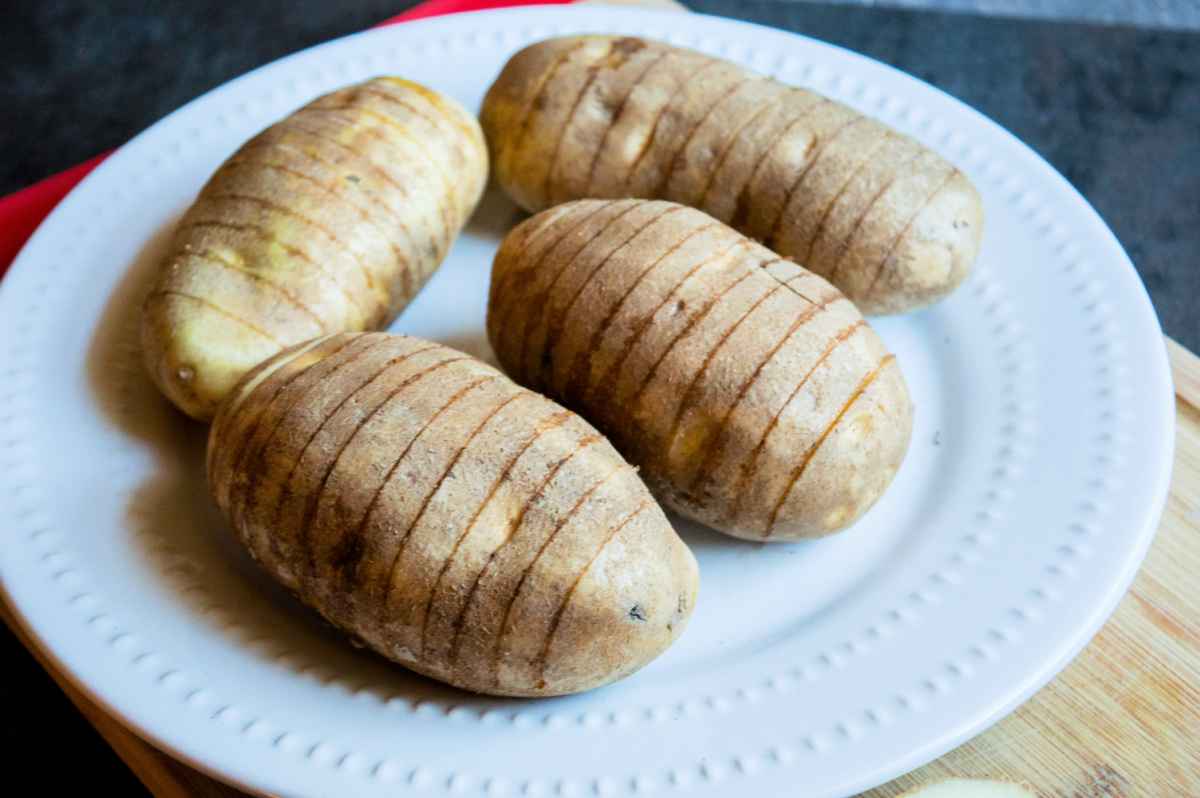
(495, 216)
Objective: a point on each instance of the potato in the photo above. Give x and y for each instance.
(452, 521)
(967, 788)
(883, 218)
(328, 221)
(750, 392)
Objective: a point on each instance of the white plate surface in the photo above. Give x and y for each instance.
(1037, 473)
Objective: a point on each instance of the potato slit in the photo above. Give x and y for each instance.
(425, 501)
(433, 123)
(544, 655)
(448, 223)
(581, 371)
(681, 147)
(552, 422)
(813, 159)
(731, 140)
(751, 464)
(437, 241)
(263, 374)
(788, 282)
(865, 159)
(848, 242)
(368, 276)
(453, 460)
(812, 450)
(435, 99)
(437, 167)
(715, 450)
(303, 538)
(740, 206)
(401, 257)
(302, 530)
(900, 235)
(558, 527)
(330, 365)
(616, 116)
(649, 143)
(425, 95)
(689, 392)
(274, 238)
(514, 145)
(267, 409)
(214, 256)
(542, 302)
(213, 306)
(286, 481)
(687, 328)
(362, 525)
(593, 72)
(614, 368)
(554, 333)
(515, 525)
(501, 283)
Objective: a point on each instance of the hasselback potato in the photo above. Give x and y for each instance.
(888, 221)
(328, 221)
(452, 521)
(750, 392)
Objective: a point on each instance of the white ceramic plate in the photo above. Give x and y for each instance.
(1038, 470)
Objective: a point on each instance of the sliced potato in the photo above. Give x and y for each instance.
(452, 521)
(328, 221)
(889, 222)
(750, 392)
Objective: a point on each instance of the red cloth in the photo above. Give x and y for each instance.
(437, 8)
(22, 212)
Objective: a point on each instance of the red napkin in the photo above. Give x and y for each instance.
(22, 212)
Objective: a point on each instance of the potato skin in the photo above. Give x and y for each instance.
(750, 392)
(886, 220)
(330, 220)
(452, 521)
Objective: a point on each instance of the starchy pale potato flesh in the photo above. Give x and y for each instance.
(968, 788)
(751, 393)
(888, 221)
(330, 220)
(467, 528)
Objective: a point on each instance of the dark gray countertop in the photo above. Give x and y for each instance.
(1115, 109)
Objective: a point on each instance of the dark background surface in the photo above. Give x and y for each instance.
(1116, 110)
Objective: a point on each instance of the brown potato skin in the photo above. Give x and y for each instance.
(330, 220)
(886, 220)
(750, 392)
(452, 521)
